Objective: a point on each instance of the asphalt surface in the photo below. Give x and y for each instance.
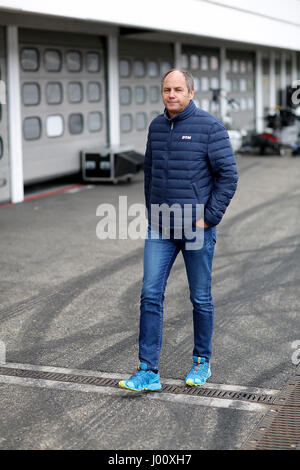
(71, 300)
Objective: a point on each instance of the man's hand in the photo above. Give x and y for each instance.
(201, 224)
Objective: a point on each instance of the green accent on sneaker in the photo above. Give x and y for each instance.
(199, 372)
(143, 380)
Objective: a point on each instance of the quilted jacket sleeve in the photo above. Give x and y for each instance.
(225, 174)
(148, 173)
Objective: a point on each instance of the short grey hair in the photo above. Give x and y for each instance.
(189, 79)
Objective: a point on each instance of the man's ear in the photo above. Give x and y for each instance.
(192, 92)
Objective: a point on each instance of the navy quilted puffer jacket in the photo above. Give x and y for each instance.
(189, 160)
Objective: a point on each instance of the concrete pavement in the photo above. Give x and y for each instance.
(71, 300)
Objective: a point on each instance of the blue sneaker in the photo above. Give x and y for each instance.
(199, 372)
(143, 380)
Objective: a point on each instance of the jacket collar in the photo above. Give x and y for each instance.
(188, 111)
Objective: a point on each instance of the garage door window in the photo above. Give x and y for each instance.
(54, 126)
(126, 123)
(74, 92)
(76, 123)
(141, 121)
(140, 95)
(94, 92)
(235, 66)
(194, 62)
(32, 128)
(165, 66)
(205, 104)
(31, 94)
(214, 63)
(204, 62)
(250, 102)
(153, 69)
(54, 93)
(243, 84)
(154, 94)
(243, 66)
(204, 84)
(74, 61)
(139, 68)
(185, 61)
(30, 59)
(125, 95)
(94, 122)
(196, 84)
(214, 82)
(93, 62)
(52, 60)
(124, 68)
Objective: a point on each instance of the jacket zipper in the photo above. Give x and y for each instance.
(169, 151)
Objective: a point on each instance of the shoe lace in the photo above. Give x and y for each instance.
(200, 369)
(139, 376)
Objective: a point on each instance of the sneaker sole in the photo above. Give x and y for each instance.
(151, 387)
(192, 384)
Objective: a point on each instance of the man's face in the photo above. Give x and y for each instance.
(175, 93)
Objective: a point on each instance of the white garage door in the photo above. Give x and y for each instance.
(63, 100)
(141, 65)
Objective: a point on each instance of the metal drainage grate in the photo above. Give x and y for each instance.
(80, 379)
(105, 382)
(290, 394)
(280, 427)
(217, 393)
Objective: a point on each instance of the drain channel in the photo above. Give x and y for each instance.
(279, 429)
(203, 391)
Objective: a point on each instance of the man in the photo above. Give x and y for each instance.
(188, 161)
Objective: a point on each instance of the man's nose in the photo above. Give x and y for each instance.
(172, 94)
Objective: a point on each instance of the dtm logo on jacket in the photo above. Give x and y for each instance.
(186, 137)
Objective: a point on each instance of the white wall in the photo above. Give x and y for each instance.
(201, 17)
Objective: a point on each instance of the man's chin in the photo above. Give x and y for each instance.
(173, 109)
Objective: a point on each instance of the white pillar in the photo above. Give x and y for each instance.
(259, 111)
(283, 78)
(113, 91)
(14, 115)
(223, 83)
(177, 55)
(272, 81)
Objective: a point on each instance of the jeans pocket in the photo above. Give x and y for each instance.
(210, 236)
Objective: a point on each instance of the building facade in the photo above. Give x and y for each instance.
(73, 80)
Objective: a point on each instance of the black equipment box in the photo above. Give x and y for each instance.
(111, 163)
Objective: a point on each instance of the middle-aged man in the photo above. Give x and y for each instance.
(189, 161)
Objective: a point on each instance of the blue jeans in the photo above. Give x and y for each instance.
(159, 256)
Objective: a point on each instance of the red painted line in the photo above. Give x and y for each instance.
(48, 193)
(7, 204)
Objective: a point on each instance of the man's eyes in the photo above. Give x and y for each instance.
(176, 89)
